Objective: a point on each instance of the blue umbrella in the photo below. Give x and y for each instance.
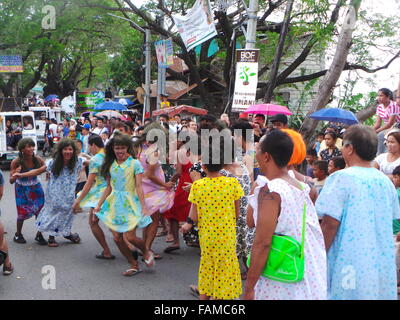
(51, 97)
(335, 115)
(125, 101)
(110, 105)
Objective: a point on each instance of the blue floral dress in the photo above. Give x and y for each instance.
(122, 211)
(361, 259)
(56, 216)
(94, 195)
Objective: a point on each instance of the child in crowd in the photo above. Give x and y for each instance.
(105, 136)
(311, 157)
(219, 273)
(320, 170)
(336, 164)
(317, 144)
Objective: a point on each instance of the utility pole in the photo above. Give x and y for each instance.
(251, 24)
(148, 73)
(147, 34)
(162, 71)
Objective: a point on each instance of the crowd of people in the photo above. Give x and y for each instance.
(334, 204)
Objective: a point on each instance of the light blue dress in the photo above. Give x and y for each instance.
(361, 260)
(56, 216)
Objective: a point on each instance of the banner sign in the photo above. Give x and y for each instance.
(89, 99)
(246, 79)
(165, 53)
(11, 64)
(197, 26)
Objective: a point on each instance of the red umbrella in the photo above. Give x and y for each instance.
(268, 109)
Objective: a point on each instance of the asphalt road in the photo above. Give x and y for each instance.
(79, 275)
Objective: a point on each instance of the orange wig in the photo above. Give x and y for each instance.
(299, 149)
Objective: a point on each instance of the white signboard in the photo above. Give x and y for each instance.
(246, 79)
(197, 26)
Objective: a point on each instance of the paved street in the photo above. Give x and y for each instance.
(79, 275)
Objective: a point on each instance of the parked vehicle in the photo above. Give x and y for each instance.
(13, 127)
(41, 113)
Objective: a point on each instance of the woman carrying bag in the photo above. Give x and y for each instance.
(284, 216)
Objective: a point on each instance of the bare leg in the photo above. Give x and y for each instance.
(98, 233)
(20, 223)
(4, 246)
(131, 237)
(151, 230)
(204, 297)
(123, 248)
(174, 231)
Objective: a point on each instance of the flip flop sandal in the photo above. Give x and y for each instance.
(131, 272)
(3, 257)
(150, 263)
(52, 243)
(74, 238)
(169, 240)
(8, 270)
(171, 248)
(101, 256)
(194, 290)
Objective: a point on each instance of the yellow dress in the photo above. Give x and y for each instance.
(219, 273)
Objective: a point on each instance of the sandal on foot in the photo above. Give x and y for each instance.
(40, 240)
(150, 263)
(194, 290)
(8, 270)
(131, 272)
(52, 243)
(74, 238)
(103, 257)
(171, 248)
(19, 238)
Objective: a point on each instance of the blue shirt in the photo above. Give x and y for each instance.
(361, 259)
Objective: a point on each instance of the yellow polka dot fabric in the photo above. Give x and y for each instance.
(219, 273)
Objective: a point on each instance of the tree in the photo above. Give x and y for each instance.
(315, 19)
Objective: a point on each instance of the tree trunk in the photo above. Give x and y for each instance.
(279, 53)
(335, 70)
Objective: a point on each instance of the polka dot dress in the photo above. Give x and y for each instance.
(219, 274)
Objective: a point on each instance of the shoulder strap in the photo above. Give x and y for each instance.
(303, 228)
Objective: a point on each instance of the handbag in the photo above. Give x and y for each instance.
(286, 257)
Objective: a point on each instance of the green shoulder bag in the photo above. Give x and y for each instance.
(286, 257)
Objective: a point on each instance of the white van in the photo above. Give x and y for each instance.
(13, 127)
(41, 113)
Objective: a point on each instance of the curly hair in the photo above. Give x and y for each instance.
(117, 140)
(58, 164)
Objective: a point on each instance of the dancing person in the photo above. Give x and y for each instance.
(158, 193)
(4, 252)
(91, 193)
(279, 208)
(388, 112)
(388, 161)
(358, 205)
(121, 206)
(244, 234)
(219, 272)
(181, 207)
(29, 195)
(56, 216)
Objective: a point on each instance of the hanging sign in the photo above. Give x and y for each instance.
(197, 26)
(246, 79)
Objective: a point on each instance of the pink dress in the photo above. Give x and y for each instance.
(156, 198)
